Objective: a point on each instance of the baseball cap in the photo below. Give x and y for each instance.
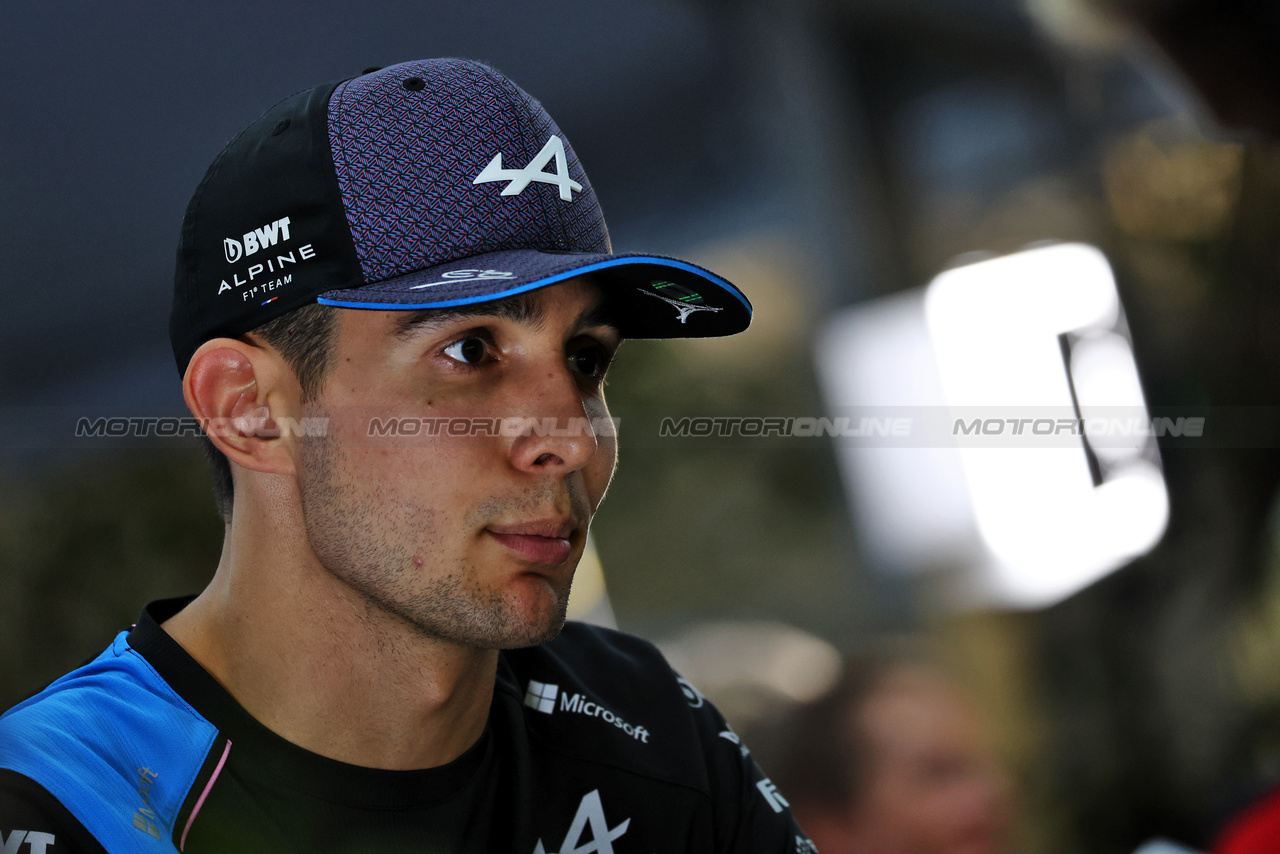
(430, 184)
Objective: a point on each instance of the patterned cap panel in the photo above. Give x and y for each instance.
(409, 142)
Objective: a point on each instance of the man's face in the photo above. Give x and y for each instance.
(470, 535)
(932, 786)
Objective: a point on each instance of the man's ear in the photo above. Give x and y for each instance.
(239, 392)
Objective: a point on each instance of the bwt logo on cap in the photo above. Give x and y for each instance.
(259, 238)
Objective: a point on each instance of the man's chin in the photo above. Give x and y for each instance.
(542, 622)
(529, 612)
(546, 634)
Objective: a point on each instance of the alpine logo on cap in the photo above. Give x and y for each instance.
(260, 275)
(518, 179)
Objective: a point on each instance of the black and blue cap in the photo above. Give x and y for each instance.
(431, 184)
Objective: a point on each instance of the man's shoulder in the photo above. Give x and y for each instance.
(91, 738)
(108, 698)
(611, 698)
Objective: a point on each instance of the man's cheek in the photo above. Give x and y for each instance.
(602, 468)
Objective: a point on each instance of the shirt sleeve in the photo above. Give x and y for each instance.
(33, 820)
(752, 816)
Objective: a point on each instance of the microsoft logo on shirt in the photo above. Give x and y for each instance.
(541, 696)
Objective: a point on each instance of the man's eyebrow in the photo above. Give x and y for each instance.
(597, 315)
(520, 308)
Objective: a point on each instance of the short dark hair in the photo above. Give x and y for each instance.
(304, 337)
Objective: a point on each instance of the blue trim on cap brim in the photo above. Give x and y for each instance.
(550, 280)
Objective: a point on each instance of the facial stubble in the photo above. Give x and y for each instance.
(369, 543)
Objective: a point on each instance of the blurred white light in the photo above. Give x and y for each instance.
(721, 655)
(995, 324)
(1032, 523)
(995, 327)
(911, 504)
(1107, 388)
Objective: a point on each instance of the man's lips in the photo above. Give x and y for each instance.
(537, 542)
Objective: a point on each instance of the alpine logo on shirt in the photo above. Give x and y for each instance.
(542, 697)
(590, 816)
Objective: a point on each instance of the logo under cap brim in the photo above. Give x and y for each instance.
(649, 296)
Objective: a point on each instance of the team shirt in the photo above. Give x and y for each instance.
(593, 744)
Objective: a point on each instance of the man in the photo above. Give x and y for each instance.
(394, 307)
(890, 761)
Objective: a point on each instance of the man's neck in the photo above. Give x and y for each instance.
(322, 667)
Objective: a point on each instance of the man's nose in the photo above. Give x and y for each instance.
(556, 434)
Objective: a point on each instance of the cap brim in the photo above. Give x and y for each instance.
(650, 296)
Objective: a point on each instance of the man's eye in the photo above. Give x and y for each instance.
(590, 360)
(470, 350)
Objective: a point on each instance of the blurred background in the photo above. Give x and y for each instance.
(851, 165)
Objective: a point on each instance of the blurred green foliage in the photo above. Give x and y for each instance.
(85, 546)
(722, 526)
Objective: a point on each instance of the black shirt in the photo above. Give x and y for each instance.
(592, 744)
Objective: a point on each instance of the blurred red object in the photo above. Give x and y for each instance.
(1256, 830)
